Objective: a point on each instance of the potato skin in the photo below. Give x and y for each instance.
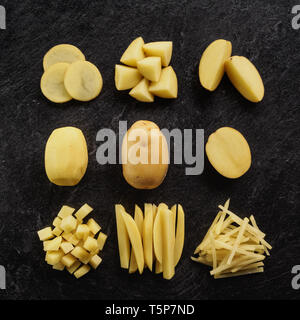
(145, 175)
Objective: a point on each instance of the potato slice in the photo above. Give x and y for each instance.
(52, 245)
(54, 257)
(150, 68)
(126, 77)
(135, 240)
(62, 53)
(245, 77)
(83, 270)
(123, 238)
(93, 226)
(212, 63)
(45, 234)
(133, 53)
(63, 213)
(66, 247)
(179, 239)
(74, 267)
(83, 81)
(95, 261)
(161, 49)
(68, 260)
(148, 235)
(141, 91)
(52, 83)
(228, 152)
(167, 86)
(83, 212)
(157, 233)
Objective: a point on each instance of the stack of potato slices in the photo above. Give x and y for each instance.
(155, 238)
(72, 244)
(232, 246)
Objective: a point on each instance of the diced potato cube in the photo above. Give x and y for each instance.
(54, 257)
(81, 254)
(74, 240)
(68, 224)
(101, 240)
(57, 231)
(45, 234)
(93, 226)
(95, 261)
(68, 260)
(59, 266)
(67, 236)
(83, 212)
(65, 211)
(82, 271)
(52, 245)
(82, 231)
(74, 267)
(66, 247)
(56, 222)
(90, 244)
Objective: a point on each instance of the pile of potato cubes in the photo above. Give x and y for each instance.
(73, 244)
(146, 71)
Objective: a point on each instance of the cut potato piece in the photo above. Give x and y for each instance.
(101, 240)
(90, 244)
(68, 224)
(95, 261)
(228, 152)
(57, 221)
(83, 212)
(133, 53)
(63, 213)
(179, 240)
(150, 68)
(57, 231)
(126, 77)
(54, 257)
(135, 240)
(245, 77)
(82, 231)
(80, 254)
(66, 247)
(212, 63)
(68, 260)
(82, 271)
(74, 267)
(157, 233)
(52, 83)
(162, 49)
(123, 238)
(93, 226)
(141, 92)
(52, 245)
(59, 266)
(167, 86)
(62, 53)
(83, 81)
(148, 235)
(45, 234)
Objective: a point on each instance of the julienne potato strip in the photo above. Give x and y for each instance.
(153, 238)
(232, 246)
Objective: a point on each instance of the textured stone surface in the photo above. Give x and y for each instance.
(260, 30)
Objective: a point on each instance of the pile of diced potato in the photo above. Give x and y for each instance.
(147, 72)
(73, 244)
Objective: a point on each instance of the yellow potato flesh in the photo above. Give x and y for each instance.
(179, 240)
(133, 53)
(151, 174)
(66, 156)
(148, 235)
(52, 83)
(83, 81)
(245, 77)
(167, 86)
(150, 68)
(157, 233)
(62, 53)
(228, 152)
(162, 49)
(211, 67)
(141, 92)
(126, 77)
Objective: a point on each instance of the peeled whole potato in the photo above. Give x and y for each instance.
(228, 152)
(145, 155)
(211, 67)
(66, 156)
(245, 77)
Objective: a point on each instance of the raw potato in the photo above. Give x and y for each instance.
(93, 226)
(62, 53)
(167, 86)
(68, 224)
(83, 81)
(150, 68)
(101, 240)
(228, 152)
(245, 77)
(148, 235)
(95, 261)
(45, 234)
(82, 231)
(52, 83)
(157, 233)
(64, 212)
(66, 156)
(141, 91)
(83, 270)
(133, 53)
(126, 77)
(140, 171)
(52, 245)
(211, 67)
(162, 49)
(179, 240)
(83, 212)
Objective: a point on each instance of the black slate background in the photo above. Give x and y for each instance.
(260, 30)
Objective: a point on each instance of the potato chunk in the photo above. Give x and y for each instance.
(68, 224)
(52, 245)
(57, 231)
(90, 244)
(167, 86)
(126, 77)
(74, 267)
(82, 271)
(82, 231)
(63, 213)
(66, 247)
(80, 254)
(162, 49)
(68, 260)
(101, 240)
(133, 53)
(54, 257)
(93, 226)
(150, 68)
(45, 234)
(141, 91)
(83, 212)
(95, 261)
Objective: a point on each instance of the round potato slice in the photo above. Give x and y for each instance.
(62, 53)
(52, 83)
(83, 81)
(228, 152)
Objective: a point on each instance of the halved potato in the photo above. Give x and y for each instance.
(161, 49)
(150, 68)
(133, 53)
(62, 53)
(83, 81)
(52, 83)
(141, 91)
(167, 86)
(126, 77)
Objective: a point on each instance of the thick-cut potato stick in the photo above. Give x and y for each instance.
(123, 238)
(158, 267)
(157, 233)
(240, 273)
(148, 235)
(179, 240)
